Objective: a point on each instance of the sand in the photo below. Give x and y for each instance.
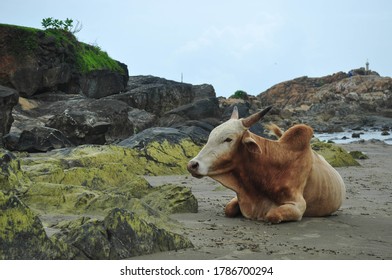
(361, 229)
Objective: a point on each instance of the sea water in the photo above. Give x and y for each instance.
(346, 136)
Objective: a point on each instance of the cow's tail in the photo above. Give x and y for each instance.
(275, 130)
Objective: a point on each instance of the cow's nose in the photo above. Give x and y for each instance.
(193, 165)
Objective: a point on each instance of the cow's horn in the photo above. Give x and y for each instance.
(235, 115)
(252, 119)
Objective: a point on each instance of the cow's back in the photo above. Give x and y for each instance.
(325, 190)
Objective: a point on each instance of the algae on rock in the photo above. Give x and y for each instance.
(335, 155)
(172, 199)
(122, 234)
(22, 235)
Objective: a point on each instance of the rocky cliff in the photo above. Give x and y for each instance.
(35, 61)
(333, 102)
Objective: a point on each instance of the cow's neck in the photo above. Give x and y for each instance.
(249, 170)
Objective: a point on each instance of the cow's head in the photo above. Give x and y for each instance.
(217, 155)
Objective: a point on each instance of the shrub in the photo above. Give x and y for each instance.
(240, 94)
(66, 25)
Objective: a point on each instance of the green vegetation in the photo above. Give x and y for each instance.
(240, 94)
(24, 43)
(57, 24)
(93, 58)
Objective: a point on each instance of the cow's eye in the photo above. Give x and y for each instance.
(228, 140)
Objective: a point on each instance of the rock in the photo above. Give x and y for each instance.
(335, 155)
(39, 139)
(72, 182)
(157, 95)
(154, 134)
(90, 121)
(141, 119)
(356, 135)
(101, 83)
(358, 155)
(35, 61)
(337, 101)
(80, 127)
(198, 110)
(8, 99)
(172, 199)
(121, 235)
(27, 80)
(22, 235)
(11, 175)
(80, 180)
(197, 131)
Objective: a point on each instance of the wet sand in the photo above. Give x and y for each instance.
(361, 229)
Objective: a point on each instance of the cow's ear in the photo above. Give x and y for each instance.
(235, 114)
(251, 145)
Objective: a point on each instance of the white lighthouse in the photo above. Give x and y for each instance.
(367, 67)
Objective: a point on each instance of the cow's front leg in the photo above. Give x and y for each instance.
(232, 208)
(289, 211)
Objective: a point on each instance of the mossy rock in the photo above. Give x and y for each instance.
(11, 175)
(122, 234)
(358, 155)
(171, 199)
(22, 235)
(91, 181)
(334, 154)
(54, 198)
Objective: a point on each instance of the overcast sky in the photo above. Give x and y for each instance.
(248, 44)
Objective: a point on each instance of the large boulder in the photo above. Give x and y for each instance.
(198, 110)
(157, 95)
(91, 121)
(39, 139)
(8, 99)
(101, 83)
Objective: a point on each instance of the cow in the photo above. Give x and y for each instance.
(274, 180)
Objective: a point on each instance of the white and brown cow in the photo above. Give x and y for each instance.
(274, 181)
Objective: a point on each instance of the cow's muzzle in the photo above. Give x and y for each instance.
(193, 168)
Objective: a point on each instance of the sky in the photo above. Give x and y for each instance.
(247, 45)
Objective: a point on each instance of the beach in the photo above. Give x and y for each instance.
(360, 229)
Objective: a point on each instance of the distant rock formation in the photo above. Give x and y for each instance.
(332, 102)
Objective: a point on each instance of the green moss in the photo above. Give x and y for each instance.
(57, 198)
(91, 58)
(11, 175)
(358, 155)
(14, 219)
(166, 158)
(172, 199)
(92, 181)
(335, 155)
